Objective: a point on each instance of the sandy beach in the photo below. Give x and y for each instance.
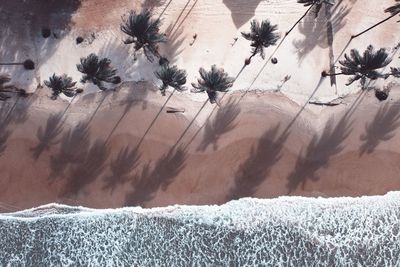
(308, 136)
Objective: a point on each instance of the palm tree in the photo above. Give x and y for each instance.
(216, 80)
(61, 85)
(97, 71)
(171, 76)
(363, 67)
(261, 36)
(392, 10)
(143, 32)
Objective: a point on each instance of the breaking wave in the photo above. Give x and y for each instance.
(292, 231)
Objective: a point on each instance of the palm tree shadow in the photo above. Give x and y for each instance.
(315, 29)
(319, 151)
(88, 170)
(173, 47)
(151, 4)
(5, 132)
(382, 128)
(150, 180)
(20, 113)
(241, 13)
(48, 135)
(257, 166)
(22, 22)
(222, 123)
(121, 167)
(74, 146)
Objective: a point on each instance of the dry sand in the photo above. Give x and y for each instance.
(261, 144)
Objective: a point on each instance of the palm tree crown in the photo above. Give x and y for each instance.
(365, 66)
(216, 80)
(316, 3)
(171, 76)
(144, 32)
(97, 71)
(61, 85)
(395, 9)
(261, 36)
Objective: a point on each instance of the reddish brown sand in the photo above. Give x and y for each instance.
(258, 147)
(244, 150)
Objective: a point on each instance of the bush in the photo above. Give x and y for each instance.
(29, 64)
(46, 32)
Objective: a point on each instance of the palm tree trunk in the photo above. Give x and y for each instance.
(159, 17)
(11, 109)
(98, 107)
(179, 16)
(373, 26)
(329, 30)
(11, 64)
(154, 120)
(326, 74)
(190, 124)
(291, 29)
(69, 104)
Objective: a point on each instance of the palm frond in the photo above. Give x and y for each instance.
(97, 71)
(261, 36)
(395, 9)
(61, 85)
(317, 4)
(216, 80)
(143, 32)
(171, 76)
(365, 66)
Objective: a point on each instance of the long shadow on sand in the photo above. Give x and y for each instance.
(89, 169)
(74, 146)
(220, 124)
(319, 151)
(5, 132)
(263, 156)
(48, 135)
(150, 180)
(173, 47)
(242, 11)
(382, 128)
(321, 31)
(121, 168)
(13, 113)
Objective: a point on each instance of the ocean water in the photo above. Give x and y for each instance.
(287, 231)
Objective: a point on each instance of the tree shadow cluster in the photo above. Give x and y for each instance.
(321, 149)
(382, 128)
(263, 156)
(173, 47)
(79, 160)
(48, 135)
(13, 113)
(222, 123)
(152, 178)
(122, 167)
(320, 31)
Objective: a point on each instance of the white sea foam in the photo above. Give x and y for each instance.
(287, 231)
